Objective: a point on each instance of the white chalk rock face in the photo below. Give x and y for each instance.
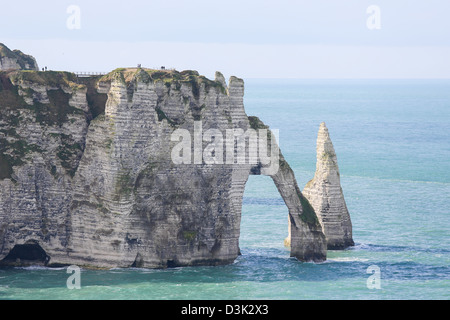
(87, 175)
(325, 194)
(16, 60)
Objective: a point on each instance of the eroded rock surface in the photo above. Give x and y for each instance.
(87, 175)
(16, 60)
(325, 194)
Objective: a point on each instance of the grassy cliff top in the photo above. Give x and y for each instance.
(45, 78)
(168, 77)
(125, 75)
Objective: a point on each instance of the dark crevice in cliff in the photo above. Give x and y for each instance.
(256, 170)
(5, 168)
(162, 116)
(96, 101)
(70, 153)
(138, 262)
(196, 111)
(55, 112)
(131, 88)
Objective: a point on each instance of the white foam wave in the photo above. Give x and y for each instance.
(39, 268)
(347, 259)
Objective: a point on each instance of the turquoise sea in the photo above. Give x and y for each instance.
(392, 139)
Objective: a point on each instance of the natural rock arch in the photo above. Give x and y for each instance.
(109, 195)
(308, 242)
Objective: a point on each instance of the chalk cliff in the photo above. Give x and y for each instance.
(87, 175)
(16, 60)
(325, 194)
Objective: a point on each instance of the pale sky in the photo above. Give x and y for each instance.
(246, 38)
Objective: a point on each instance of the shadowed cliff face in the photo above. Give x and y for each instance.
(87, 170)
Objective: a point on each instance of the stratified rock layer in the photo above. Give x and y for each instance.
(87, 177)
(306, 237)
(325, 194)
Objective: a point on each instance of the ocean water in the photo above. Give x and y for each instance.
(392, 139)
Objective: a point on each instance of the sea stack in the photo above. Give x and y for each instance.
(325, 194)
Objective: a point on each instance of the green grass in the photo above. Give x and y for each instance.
(308, 215)
(162, 116)
(170, 78)
(124, 184)
(14, 149)
(256, 123)
(14, 154)
(46, 78)
(68, 154)
(189, 235)
(5, 167)
(55, 112)
(9, 94)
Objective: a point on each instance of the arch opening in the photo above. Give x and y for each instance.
(263, 217)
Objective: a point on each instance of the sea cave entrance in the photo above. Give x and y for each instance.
(29, 253)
